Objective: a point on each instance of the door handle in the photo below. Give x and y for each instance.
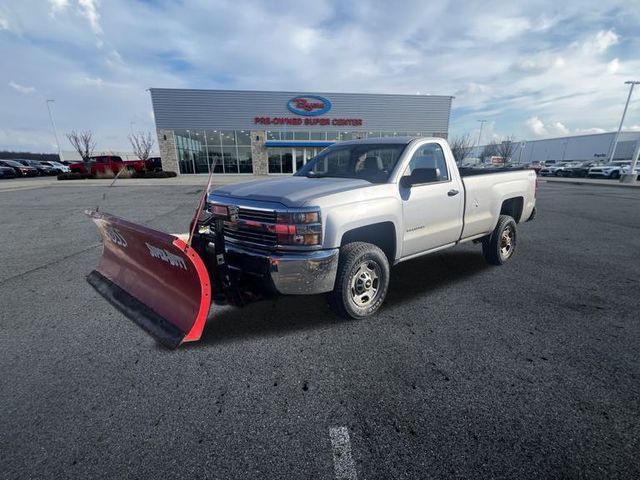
(453, 192)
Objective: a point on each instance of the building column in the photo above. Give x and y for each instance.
(167, 147)
(259, 155)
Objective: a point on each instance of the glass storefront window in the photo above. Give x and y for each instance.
(243, 137)
(318, 135)
(301, 135)
(287, 162)
(244, 160)
(286, 135)
(275, 160)
(271, 135)
(200, 158)
(230, 158)
(223, 151)
(347, 136)
(332, 136)
(215, 159)
(228, 137)
(212, 137)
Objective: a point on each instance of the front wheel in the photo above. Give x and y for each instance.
(499, 247)
(362, 280)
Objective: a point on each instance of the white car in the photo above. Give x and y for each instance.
(57, 166)
(555, 169)
(611, 170)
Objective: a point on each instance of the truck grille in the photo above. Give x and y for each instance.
(254, 227)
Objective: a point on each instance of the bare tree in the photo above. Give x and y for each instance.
(461, 146)
(83, 143)
(142, 143)
(506, 148)
(489, 150)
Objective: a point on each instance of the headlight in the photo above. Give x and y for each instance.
(299, 228)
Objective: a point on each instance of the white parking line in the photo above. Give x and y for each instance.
(342, 460)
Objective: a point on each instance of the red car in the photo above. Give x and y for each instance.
(106, 165)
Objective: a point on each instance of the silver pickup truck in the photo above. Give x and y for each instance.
(340, 222)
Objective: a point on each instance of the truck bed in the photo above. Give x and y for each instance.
(486, 192)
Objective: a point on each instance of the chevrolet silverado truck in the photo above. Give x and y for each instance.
(335, 227)
(106, 165)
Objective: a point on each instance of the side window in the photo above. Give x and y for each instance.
(429, 156)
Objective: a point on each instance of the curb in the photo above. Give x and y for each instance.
(603, 183)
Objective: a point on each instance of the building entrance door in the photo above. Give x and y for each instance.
(303, 155)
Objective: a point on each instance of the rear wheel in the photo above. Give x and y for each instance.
(615, 174)
(362, 280)
(500, 246)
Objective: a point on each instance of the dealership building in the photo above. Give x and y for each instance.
(271, 133)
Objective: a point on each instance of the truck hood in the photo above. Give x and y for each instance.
(290, 191)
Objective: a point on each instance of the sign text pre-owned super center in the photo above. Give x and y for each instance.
(310, 107)
(355, 122)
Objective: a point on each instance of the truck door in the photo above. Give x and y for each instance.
(433, 209)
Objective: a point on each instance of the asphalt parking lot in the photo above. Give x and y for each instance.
(530, 370)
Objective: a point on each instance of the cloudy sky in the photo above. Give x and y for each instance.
(531, 69)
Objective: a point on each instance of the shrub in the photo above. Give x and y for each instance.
(72, 176)
(160, 174)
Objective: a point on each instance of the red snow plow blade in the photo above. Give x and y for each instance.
(153, 278)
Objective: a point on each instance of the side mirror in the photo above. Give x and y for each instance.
(419, 176)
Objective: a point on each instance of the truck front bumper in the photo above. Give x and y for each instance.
(291, 273)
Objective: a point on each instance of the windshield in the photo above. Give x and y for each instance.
(371, 162)
(13, 163)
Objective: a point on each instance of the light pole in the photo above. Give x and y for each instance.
(564, 150)
(482, 122)
(522, 145)
(633, 83)
(55, 131)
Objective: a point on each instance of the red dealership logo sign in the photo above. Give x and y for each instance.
(309, 105)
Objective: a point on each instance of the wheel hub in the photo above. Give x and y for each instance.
(506, 242)
(364, 283)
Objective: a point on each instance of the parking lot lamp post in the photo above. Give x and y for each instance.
(631, 176)
(55, 131)
(522, 145)
(633, 83)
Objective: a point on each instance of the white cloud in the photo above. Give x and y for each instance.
(4, 23)
(613, 66)
(539, 129)
(517, 62)
(89, 9)
(590, 130)
(21, 88)
(601, 42)
(58, 5)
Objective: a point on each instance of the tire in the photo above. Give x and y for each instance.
(500, 246)
(362, 269)
(615, 174)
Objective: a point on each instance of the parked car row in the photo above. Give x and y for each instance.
(31, 168)
(96, 166)
(592, 169)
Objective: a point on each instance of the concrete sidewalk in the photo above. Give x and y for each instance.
(195, 180)
(590, 181)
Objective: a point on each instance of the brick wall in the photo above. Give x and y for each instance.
(259, 153)
(167, 146)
